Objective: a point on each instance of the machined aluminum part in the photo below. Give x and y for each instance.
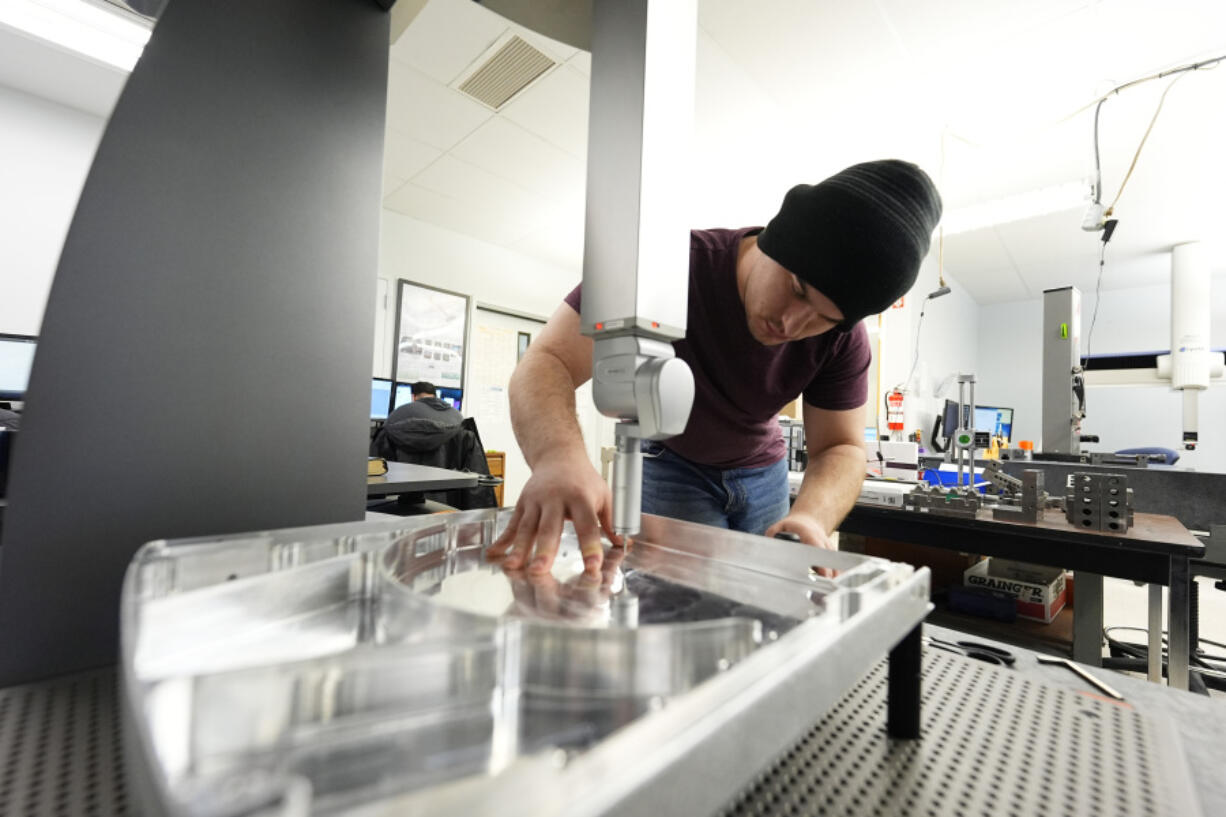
(391, 667)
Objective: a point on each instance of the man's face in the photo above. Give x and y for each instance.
(780, 307)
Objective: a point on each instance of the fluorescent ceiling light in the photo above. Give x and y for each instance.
(1026, 205)
(108, 36)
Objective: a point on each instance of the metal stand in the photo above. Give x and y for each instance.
(1088, 619)
(1155, 633)
(1178, 623)
(903, 697)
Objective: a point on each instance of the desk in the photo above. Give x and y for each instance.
(1156, 550)
(408, 478)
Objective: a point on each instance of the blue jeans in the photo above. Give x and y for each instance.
(744, 499)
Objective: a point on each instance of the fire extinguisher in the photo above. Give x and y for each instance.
(894, 416)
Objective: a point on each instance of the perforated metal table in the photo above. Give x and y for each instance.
(996, 742)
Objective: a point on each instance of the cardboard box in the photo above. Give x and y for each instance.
(1038, 600)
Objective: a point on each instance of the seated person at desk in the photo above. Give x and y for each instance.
(773, 312)
(427, 431)
(421, 425)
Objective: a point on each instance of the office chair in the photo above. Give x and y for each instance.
(427, 442)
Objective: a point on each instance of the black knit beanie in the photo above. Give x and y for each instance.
(859, 236)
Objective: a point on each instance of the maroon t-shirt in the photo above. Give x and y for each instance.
(739, 384)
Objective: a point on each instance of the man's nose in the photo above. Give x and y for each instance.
(792, 319)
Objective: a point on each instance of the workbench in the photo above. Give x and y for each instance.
(1156, 549)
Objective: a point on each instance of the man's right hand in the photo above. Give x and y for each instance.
(563, 485)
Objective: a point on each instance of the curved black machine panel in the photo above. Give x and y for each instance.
(205, 354)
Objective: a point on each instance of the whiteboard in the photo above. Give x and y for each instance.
(494, 345)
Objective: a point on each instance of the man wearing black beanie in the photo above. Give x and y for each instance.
(773, 312)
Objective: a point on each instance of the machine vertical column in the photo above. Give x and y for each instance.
(205, 352)
(1061, 364)
(636, 235)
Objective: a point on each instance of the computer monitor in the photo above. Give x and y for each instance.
(404, 394)
(998, 422)
(949, 419)
(380, 397)
(995, 420)
(16, 360)
(451, 397)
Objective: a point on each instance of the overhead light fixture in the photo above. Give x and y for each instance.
(107, 35)
(1031, 204)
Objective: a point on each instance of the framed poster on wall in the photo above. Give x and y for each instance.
(431, 335)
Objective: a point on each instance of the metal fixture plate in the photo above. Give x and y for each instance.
(390, 665)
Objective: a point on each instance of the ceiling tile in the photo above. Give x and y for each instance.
(791, 90)
(555, 109)
(471, 184)
(556, 245)
(476, 220)
(446, 36)
(391, 182)
(801, 50)
(582, 62)
(510, 152)
(1050, 251)
(404, 156)
(422, 109)
(981, 263)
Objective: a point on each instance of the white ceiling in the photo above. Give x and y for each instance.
(793, 90)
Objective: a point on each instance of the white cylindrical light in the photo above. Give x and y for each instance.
(1189, 317)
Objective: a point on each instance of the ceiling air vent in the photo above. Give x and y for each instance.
(509, 69)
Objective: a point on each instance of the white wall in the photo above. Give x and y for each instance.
(492, 275)
(45, 153)
(1010, 374)
(1129, 320)
(947, 346)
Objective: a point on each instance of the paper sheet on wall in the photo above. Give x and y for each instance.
(493, 361)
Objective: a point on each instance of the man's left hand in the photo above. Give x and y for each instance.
(806, 527)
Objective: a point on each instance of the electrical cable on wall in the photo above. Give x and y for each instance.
(1097, 216)
(942, 290)
(1108, 231)
(904, 387)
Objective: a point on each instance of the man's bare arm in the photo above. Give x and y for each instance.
(832, 478)
(563, 485)
(542, 388)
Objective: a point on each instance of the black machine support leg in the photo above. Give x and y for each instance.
(903, 692)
